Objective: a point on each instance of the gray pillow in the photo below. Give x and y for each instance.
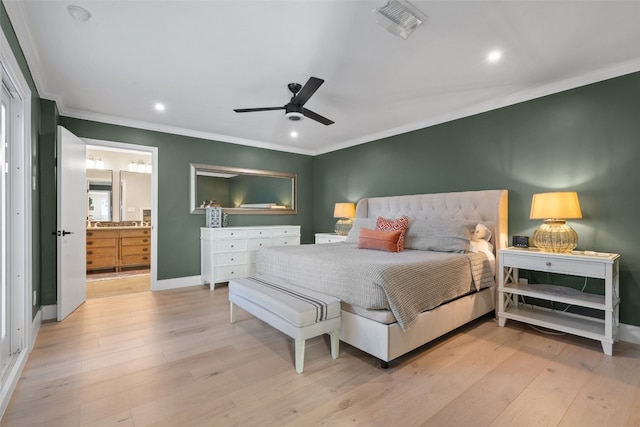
(439, 235)
(358, 223)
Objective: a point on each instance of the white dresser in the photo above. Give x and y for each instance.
(230, 252)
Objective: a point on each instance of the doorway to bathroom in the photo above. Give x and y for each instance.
(120, 205)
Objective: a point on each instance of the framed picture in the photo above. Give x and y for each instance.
(213, 217)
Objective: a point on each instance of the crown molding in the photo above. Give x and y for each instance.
(121, 121)
(596, 76)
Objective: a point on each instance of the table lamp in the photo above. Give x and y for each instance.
(344, 211)
(555, 235)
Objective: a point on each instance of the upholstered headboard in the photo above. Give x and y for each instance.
(488, 206)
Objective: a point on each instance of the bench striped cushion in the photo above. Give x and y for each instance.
(298, 306)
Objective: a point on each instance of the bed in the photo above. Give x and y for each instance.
(386, 311)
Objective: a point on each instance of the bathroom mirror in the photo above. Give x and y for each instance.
(135, 195)
(241, 191)
(99, 195)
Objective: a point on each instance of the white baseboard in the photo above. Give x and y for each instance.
(49, 312)
(178, 282)
(35, 328)
(629, 333)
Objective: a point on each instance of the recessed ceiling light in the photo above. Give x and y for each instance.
(79, 13)
(494, 56)
(293, 134)
(159, 106)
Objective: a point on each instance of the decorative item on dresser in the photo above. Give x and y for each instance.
(329, 238)
(230, 252)
(511, 293)
(116, 248)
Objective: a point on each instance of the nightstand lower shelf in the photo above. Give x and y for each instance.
(560, 321)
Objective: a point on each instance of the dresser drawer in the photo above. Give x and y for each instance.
(231, 258)
(98, 252)
(285, 241)
(131, 260)
(231, 245)
(135, 241)
(255, 244)
(285, 231)
(258, 233)
(103, 234)
(135, 250)
(101, 243)
(101, 262)
(135, 232)
(224, 274)
(221, 233)
(575, 267)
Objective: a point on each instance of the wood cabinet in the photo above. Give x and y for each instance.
(117, 248)
(230, 252)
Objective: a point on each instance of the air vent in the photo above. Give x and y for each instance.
(399, 17)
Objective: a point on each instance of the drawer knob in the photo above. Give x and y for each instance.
(231, 259)
(548, 263)
(145, 240)
(260, 244)
(89, 243)
(89, 252)
(89, 262)
(145, 258)
(232, 246)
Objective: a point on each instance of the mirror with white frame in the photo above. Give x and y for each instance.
(241, 191)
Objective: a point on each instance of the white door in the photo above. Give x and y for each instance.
(72, 172)
(5, 288)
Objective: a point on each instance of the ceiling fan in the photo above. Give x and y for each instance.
(295, 110)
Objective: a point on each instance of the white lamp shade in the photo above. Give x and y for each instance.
(344, 210)
(559, 205)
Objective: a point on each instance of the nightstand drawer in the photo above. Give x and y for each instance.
(560, 265)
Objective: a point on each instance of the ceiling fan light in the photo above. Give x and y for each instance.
(399, 17)
(294, 116)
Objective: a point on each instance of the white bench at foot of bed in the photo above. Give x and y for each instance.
(298, 312)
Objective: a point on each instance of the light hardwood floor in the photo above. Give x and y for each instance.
(127, 284)
(172, 359)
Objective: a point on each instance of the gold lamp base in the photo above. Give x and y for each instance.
(343, 226)
(555, 236)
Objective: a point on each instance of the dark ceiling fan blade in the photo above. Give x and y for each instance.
(307, 90)
(251, 110)
(317, 117)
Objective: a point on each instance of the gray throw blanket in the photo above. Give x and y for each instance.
(407, 282)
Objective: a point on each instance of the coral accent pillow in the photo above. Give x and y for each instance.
(400, 224)
(379, 240)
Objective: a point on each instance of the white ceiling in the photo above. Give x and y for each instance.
(205, 58)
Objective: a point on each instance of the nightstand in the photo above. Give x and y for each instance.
(329, 238)
(595, 265)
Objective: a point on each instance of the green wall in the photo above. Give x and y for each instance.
(178, 230)
(586, 139)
